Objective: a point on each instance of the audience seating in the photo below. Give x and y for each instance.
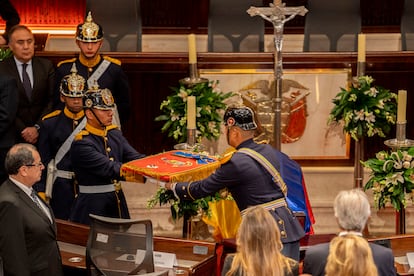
(332, 26)
(121, 23)
(232, 29)
(120, 247)
(407, 26)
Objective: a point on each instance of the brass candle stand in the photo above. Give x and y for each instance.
(194, 78)
(398, 143)
(189, 82)
(359, 144)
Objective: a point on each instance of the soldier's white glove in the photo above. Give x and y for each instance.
(151, 180)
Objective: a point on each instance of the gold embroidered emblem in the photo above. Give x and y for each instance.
(107, 97)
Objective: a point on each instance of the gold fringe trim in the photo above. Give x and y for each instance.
(134, 173)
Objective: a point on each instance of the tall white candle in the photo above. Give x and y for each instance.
(191, 112)
(192, 53)
(361, 47)
(402, 106)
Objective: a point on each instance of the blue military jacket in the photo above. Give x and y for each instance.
(250, 184)
(55, 129)
(97, 157)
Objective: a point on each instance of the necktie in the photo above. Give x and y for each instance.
(26, 81)
(35, 199)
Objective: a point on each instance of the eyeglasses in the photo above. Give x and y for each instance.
(40, 164)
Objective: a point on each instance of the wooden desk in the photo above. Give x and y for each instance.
(73, 237)
(400, 245)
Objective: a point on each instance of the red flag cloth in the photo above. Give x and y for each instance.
(171, 166)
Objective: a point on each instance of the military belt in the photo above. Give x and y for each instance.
(99, 188)
(65, 174)
(271, 205)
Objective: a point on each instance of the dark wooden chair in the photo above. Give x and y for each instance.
(332, 26)
(120, 247)
(121, 23)
(407, 26)
(232, 29)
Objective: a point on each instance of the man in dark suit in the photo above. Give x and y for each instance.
(35, 82)
(8, 109)
(28, 244)
(352, 211)
(250, 182)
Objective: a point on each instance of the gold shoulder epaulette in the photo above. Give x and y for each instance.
(52, 114)
(113, 60)
(227, 155)
(71, 60)
(80, 134)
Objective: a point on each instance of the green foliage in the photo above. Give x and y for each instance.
(364, 110)
(5, 53)
(392, 178)
(209, 102)
(187, 208)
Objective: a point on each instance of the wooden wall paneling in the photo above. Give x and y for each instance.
(149, 89)
(381, 13)
(191, 16)
(164, 16)
(46, 12)
(152, 74)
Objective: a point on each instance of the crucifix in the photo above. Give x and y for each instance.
(278, 14)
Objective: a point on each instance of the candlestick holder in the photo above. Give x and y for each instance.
(190, 81)
(361, 68)
(400, 142)
(194, 78)
(359, 144)
(191, 136)
(191, 144)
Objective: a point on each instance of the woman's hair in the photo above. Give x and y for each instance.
(350, 255)
(259, 246)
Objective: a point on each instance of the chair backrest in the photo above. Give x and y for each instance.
(121, 23)
(332, 26)
(232, 29)
(407, 26)
(1, 267)
(119, 246)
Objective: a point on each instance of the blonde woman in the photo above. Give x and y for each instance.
(350, 255)
(258, 248)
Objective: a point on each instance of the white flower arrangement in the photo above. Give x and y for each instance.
(392, 178)
(209, 103)
(364, 110)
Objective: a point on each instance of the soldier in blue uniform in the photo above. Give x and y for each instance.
(96, 68)
(58, 130)
(249, 180)
(98, 153)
